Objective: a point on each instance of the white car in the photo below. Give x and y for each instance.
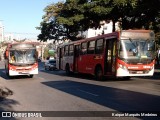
(50, 65)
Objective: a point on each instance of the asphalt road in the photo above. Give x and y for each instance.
(56, 93)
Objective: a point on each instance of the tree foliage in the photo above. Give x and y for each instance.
(143, 15)
(49, 27)
(46, 52)
(67, 19)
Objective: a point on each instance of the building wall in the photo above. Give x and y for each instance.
(106, 27)
(1, 32)
(8, 37)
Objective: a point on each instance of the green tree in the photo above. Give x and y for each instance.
(143, 15)
(71, 17)
(49, 27)
(46, 52)
(66, 20)
(51, 30)
(156, 28)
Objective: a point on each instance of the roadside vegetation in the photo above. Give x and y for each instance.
(65, 20)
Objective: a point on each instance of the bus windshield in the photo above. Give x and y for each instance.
(136, 49)
(26, 56)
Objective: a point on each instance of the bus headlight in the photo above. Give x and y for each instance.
(152, 67)
(123, 67)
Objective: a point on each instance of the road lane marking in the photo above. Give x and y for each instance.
(88, 92)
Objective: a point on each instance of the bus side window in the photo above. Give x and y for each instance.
(58, 52)
(66, 51)
(62, 52)
(83, 48)
(99, 46)
(71, 50)
(77, 50)
(91, 47)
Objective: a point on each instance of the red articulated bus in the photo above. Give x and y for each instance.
(21, 59)
(119, 54)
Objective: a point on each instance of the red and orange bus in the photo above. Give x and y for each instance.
(21, 59)
(119, 54)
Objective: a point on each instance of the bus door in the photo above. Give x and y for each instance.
(76, 57)
(58, 61)
(82, 61)
(110, 57)
(61, 58)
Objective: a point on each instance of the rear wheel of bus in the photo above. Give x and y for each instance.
(99, 73)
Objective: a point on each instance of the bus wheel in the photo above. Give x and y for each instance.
(99, 74)
(67, 70)
(127, 78)
(30, 76)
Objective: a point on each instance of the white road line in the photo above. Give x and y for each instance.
(88, 92)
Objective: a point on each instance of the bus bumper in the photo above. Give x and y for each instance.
(15, 73)
(124, 72)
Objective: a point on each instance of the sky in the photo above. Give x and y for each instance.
(20, 17)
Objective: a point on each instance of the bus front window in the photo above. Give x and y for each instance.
(136, 49)
(27, 56)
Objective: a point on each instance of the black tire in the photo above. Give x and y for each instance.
(127, 78)
(67, 69)
(30, 76)
(99, 74)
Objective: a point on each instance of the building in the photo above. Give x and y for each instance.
(105, 27)
(8, 37)
(1, 32)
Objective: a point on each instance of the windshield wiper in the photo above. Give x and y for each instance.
(132, 43)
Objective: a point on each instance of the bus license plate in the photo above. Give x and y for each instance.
(139, 72)
(24, 72)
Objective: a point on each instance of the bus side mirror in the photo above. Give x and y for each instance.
(6, 55)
